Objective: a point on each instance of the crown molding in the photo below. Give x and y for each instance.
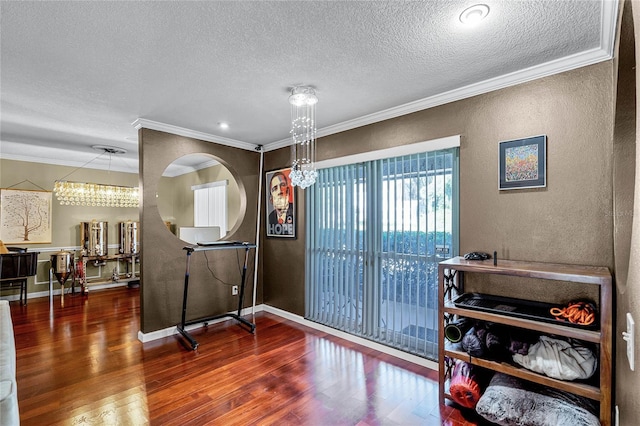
(608, 22)
(567, 63)
(176, 130)
(70, 163)
(544, 70)
(608, 19)
(608, 27)
(177, 170)
(206, 165)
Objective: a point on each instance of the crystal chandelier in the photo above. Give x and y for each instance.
(93, 194)
(303, 102)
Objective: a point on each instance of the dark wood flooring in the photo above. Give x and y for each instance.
(82, 364)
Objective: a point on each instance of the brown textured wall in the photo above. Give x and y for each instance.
(283, 258)
(627, 227)
(569, 221)
(162, 258)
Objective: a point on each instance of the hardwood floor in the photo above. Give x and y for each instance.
(82, 364)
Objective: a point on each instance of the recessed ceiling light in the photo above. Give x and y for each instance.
(474, 14)
(223, 126)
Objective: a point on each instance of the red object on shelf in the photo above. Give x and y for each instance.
(463, 387)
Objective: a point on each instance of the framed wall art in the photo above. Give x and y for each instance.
(523, 163)
(280, 202)
(25, 217)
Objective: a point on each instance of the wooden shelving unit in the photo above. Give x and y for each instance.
(451, 284)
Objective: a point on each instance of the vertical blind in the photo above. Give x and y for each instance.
(375, 234)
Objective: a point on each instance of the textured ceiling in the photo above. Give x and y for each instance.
(77, 74)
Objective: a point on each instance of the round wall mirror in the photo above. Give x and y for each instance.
(199, 199)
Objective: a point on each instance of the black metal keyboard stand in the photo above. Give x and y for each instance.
(217, 246)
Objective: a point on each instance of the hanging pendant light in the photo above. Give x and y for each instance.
(303, 102)
(93, 194)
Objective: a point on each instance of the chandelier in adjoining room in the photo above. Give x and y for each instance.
(94, 194)
(303, 102)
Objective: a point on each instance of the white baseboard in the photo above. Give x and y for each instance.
(170, 331)
(56, 291)
(355, 339)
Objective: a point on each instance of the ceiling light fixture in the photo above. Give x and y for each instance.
(223, 125)
(303, 102)
(94, 194)
(474, 14)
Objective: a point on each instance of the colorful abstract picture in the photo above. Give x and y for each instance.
(523, 163)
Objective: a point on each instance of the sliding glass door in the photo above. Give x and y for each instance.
(375, 233)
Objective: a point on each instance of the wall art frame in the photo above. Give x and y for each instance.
(523, 163)
(280, 202)
(25, 216)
